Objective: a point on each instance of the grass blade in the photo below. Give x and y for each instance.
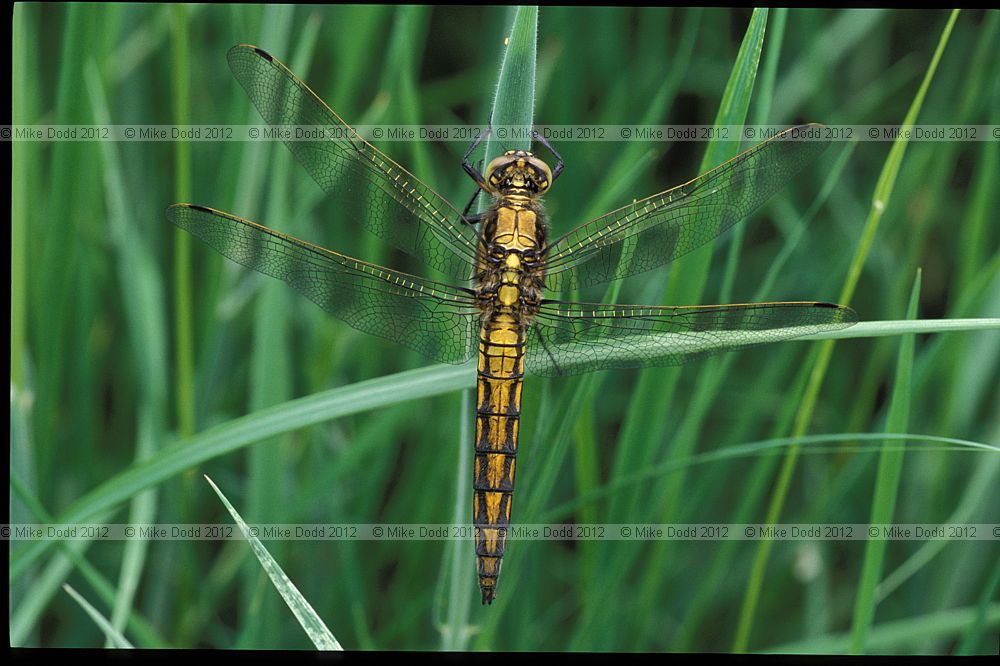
(113, 635)
(890, 468)
(644, 428)
(896, 636)
(308, 619)
(883, 192)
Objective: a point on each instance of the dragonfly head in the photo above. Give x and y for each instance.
(518, 172)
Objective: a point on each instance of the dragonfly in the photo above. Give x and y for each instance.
(502, 263)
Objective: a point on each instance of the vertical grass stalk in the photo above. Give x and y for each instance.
(880, 201)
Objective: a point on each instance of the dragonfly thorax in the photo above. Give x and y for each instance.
(518, 172)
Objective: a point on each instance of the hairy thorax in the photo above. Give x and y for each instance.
(510, 279)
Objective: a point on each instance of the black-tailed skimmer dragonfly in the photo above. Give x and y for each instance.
(503, 317)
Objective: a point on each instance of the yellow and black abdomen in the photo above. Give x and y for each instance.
(510, 288)
(498, 412)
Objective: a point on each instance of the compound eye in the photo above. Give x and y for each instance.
(493, 169)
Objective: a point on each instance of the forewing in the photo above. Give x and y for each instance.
(570, 338)
(371, 188)
(658, 229)
(435, 319)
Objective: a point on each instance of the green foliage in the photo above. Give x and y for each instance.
(140, 362)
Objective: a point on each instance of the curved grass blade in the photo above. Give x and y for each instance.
(896, 636)
(115, 637)
(241, 432)
(760, 449)
(311, 623)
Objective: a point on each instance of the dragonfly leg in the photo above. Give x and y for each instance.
(559, 160)
(476, 217)
(471, 170)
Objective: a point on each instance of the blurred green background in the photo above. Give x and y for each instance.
(128, 337)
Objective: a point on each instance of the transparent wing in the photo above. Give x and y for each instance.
(374, 190)
(651, 232)
(570, 338)
(435, 319)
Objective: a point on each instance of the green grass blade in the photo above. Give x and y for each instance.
(514, 99)
(876, 329)
(896, 636)
(45, 585)
(710, 383)
(25, 170)
(241, 432)
(763, 449)
(651, 345)
(978, 630)
(267, 490)
(976, 494)
(644, 427)
(142, 293)
(138, 625)
(690, 272)
(113, 635)
(456, 581)
(880, 200)
(308, 619)
(183, 315)
(890, 468)
(843, 33)
(22, 154)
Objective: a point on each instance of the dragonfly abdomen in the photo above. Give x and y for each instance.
(498, 412)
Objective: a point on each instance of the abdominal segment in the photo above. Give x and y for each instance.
(498, 409)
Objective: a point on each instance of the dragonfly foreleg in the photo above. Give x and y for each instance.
(559, 160)
(477, 217)
(471, 170)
